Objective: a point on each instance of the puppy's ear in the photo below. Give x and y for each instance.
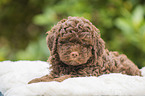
(99, 44)
(50, 40)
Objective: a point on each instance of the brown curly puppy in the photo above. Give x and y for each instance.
(78, 50)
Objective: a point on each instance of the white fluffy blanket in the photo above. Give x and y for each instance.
(14, 77)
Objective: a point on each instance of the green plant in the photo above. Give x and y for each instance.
(132, 26)
(34, 51)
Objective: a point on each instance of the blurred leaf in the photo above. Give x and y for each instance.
(35, 51)
(138, 16)
(48, 17)
(125, 13)
(124, 25)
(2, 2)
(64, 8)
(4, 51)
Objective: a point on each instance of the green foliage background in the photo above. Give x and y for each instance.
(23, 24)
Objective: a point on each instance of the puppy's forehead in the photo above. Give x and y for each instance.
(81, 38)
(85, 35)
(76, 34)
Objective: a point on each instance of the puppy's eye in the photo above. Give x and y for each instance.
(84, 49)
(87, 40)
(86, 44)
(63, 41)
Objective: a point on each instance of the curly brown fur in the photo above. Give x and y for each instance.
(78, 50)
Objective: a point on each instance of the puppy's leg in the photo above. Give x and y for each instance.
(129, 66)
(46, 78)
(49, 78)
(62, 78)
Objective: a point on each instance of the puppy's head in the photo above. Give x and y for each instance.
(75, 48)
(75, 41)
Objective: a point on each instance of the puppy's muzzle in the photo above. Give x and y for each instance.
(74, 55)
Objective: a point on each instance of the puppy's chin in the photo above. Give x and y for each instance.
(74, 63)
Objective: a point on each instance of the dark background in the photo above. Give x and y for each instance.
(23, 24)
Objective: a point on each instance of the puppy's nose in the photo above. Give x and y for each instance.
(74, 55)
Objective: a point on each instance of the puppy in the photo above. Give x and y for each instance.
(77, 50)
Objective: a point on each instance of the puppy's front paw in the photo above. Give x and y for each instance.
(35, 80)
(62, 78)
(46, 78)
